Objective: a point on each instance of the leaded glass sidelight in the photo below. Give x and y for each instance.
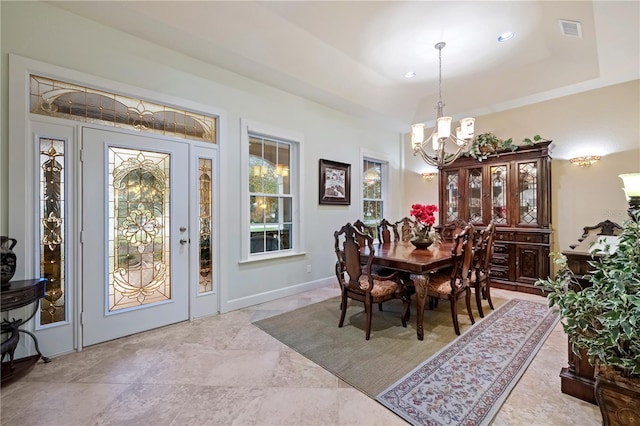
(452, 211)
(205, 281)
(527, 183)
(475, 195)
(499, 194)
(52, 229)
(139, 219)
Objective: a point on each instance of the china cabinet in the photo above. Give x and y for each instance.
(514, 190)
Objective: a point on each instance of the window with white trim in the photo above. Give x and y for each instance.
(270, 197)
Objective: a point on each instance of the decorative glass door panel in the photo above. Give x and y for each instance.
(139, 223)
(528, 190)
(52, 229)
(475, 195)
(499, 194)
(451, 197)
(205, 280)
(135, 220)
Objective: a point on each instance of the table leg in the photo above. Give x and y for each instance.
(420, 283)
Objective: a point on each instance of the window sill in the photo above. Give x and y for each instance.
(270, 256)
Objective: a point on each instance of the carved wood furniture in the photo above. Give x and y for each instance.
(449, 230)
(454, 285)
(514, 190)
(387, 232)
(605, 227)
(405, 228)
(577, 379)
(403, 256)
(481, 276)
(359, 283)
(363, 228)
(14, 295)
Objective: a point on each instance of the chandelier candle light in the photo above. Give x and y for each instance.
(442, 132)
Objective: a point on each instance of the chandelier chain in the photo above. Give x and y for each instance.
(442, 134)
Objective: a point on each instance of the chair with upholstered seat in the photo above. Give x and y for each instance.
(449, 230)
(405, 228)
(481, 274)
(359, 283)
(366, 229)
(387, 232)
(455, 285)
(363, 228)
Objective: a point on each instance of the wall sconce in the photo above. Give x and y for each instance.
(585, 161)
(428, 176)
(632, 191)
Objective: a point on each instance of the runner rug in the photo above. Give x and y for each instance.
(467, 381)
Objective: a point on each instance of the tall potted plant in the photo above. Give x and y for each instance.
(603, 319)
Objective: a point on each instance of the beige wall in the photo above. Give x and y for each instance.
(603, 122)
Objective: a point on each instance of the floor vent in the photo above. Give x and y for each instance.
(570, 28)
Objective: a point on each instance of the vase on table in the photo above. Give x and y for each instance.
(421, 243)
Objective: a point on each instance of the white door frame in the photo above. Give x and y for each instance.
(22, 211)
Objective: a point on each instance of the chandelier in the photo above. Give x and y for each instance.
(441, 136)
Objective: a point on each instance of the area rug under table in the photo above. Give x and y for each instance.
(466, 382)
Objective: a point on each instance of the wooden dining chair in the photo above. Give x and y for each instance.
(405, 228)
(455, 285)
(387, 232)
(363, 228)
(449, 230)
(359, 283)
(481, 274)
(366, 229)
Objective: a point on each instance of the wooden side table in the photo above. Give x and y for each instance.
(14, 295)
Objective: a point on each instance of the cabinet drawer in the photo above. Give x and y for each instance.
(500, 273)
(500, 248)
(532, 238)
(504, 236)
(500, 261)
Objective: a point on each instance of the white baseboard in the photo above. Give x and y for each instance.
(255, 299)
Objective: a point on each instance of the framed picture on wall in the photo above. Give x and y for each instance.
(335, 183)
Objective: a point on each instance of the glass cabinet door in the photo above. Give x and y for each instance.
(528, 193)
(499, 194)
(452, 211)
(475, 195)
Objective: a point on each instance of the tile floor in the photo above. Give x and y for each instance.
(223, 370)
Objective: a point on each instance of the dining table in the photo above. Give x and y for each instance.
(405, 257)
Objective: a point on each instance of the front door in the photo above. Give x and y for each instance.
(135, 254)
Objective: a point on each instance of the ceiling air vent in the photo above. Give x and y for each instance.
(570, 28)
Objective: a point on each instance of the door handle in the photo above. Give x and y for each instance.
(183, 242)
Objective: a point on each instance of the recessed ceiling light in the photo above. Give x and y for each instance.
(506, 36)
(409, 74)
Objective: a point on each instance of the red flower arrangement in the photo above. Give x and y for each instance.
(425, 218)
